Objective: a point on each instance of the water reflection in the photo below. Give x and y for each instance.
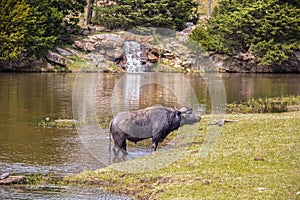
(240, 87)
(27, 98)
(136, 91)
(26, 148)
(95, 103)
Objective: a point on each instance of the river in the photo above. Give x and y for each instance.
(26, 99)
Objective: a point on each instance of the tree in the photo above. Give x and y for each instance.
(31, 27)
(208, 8)
(13, 22)
(89, 12)
(48, 22)
(148, 13)
(267, 28)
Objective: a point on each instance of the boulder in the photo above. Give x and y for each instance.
(152, 58)
(114, 54)
(84, 45)
(63, 52)
(85, 32)
(79, 44)
(98, 60)
(108, 40)
(56, 58)
(98, 29)
(73, 51)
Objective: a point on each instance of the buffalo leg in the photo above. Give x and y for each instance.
(123, 148)
(120, 146)
(154, 144)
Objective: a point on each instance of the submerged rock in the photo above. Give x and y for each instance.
(58, 123)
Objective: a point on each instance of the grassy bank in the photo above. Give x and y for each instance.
(255, 158)
(266, 105)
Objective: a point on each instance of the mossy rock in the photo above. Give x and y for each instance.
(58, 123)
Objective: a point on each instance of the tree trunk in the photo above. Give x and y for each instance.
(208, 8)
(90, 5)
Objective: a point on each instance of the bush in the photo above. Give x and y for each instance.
(267, 28)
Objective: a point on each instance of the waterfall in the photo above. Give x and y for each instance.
(134, 56)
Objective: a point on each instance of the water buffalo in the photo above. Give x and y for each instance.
(152, 122)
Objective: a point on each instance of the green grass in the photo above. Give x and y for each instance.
(255, 158)
(76, 63)
(266, 105)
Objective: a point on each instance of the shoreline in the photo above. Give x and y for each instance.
(243, 159)
(255, 155)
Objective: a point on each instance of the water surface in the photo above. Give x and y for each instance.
(25, 99)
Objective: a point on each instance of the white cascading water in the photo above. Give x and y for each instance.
(133, 52)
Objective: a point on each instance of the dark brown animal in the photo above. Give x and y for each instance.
(152, 122)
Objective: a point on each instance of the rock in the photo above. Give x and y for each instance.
(98, 60)
(13, 180)
(246, 56)
(73, 51)
(98, 29)
(50, 67)
(58, 123)
(102, 51)
(85, 32)
(89, 47)
(107, 40)
(43, 69)
(168, 55)
(56, 58)
(79, 44)
(188, 30)
(84, 45)
(4, 175)
(114, 54)
(187, 64)
(63, 52)
(152, 58)
(245, 63)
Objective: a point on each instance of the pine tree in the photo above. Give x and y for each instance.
(127, 14)
(31, 27)
(48, 20)
(13, 22)
(269, 28)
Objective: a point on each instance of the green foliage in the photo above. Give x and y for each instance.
(147, 13)
(45, 26)
(48, 22)
(201, 35)
(13, 22)
(31, 27)
(269, 28)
